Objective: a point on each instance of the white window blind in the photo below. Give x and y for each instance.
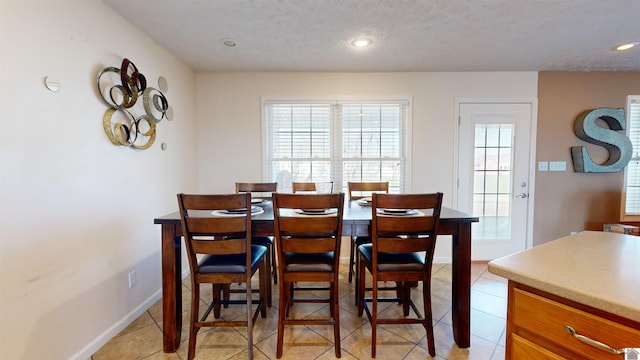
(317, 141)
(631, 200)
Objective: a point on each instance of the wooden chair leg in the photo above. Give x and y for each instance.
(361, 287)
(265, 285)
(406, 297)
(332, 300)
(225, 294)
(282, 310)
(290, 292)
(336, 317)
(268, 275)
(274, 263)
(357, 271)
(193, 329)
(426, 296)
(250, 314)
(351, 259)
(217, 300)
(374, 315)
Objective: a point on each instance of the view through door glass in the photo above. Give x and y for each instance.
(492, 179)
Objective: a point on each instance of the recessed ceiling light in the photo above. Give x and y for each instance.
(228, 42)
(361, 42)
(626, 46)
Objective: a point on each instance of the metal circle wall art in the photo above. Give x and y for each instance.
(121, 89)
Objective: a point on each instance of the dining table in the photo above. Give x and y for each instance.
(356, 221)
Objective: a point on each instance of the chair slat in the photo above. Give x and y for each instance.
(311, 224)
(404, 244)
(217, 225)
(405, 224)
(308, 246)
(220, 247)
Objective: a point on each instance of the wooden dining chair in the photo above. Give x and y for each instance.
(357, 191)
(303, 186)
(403, 234)
(223, 244)
(308, 230)
(263, 191)
(324, 187)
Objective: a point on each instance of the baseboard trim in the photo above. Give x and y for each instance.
(95, 345)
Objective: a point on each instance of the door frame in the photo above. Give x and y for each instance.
(532, 151)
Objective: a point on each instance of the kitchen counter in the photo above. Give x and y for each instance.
(597, 269)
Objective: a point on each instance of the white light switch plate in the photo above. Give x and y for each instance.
(543, 165)
(557, 165)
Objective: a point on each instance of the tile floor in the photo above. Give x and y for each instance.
(142, 339)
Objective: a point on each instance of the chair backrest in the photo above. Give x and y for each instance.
(261, 190)
(299, 233)
(405, 223)
(303, 186)
(359, 190)
(322, 187)
(206, 233)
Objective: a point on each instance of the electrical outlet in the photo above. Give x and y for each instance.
(132, 279)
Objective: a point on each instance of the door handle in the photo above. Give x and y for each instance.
(522, 195)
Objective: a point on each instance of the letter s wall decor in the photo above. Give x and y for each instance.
(618, 144)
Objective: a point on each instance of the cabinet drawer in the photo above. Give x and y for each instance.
(547, 319)
(525, 349)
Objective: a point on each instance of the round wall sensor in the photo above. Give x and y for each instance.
(52, 83)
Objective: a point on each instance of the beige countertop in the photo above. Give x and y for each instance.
(594, 268)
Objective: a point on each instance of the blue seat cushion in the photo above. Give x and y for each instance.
(234, 263)
(393, 261)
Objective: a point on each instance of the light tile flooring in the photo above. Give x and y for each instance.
(142, 339)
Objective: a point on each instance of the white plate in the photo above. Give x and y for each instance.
(365, 201)
(397, 212)
(316, 211)
(239, 212)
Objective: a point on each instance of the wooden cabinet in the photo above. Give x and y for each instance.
(537, 328)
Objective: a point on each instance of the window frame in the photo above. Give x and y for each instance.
(336, 133)
(635, 100)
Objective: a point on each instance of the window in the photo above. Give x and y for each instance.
(631, 191)
(339, 141)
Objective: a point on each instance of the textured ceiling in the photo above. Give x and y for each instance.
(418, 35)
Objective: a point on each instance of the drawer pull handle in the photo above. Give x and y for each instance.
(592, 342)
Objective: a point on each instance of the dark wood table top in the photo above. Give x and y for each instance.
(353, 213)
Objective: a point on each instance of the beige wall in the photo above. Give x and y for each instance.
(230, 130)
(76, 212)
(570, 201)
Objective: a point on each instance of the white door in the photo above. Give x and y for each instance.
(494, 151)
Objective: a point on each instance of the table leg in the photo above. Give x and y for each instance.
(461, 285)
(171, 288)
